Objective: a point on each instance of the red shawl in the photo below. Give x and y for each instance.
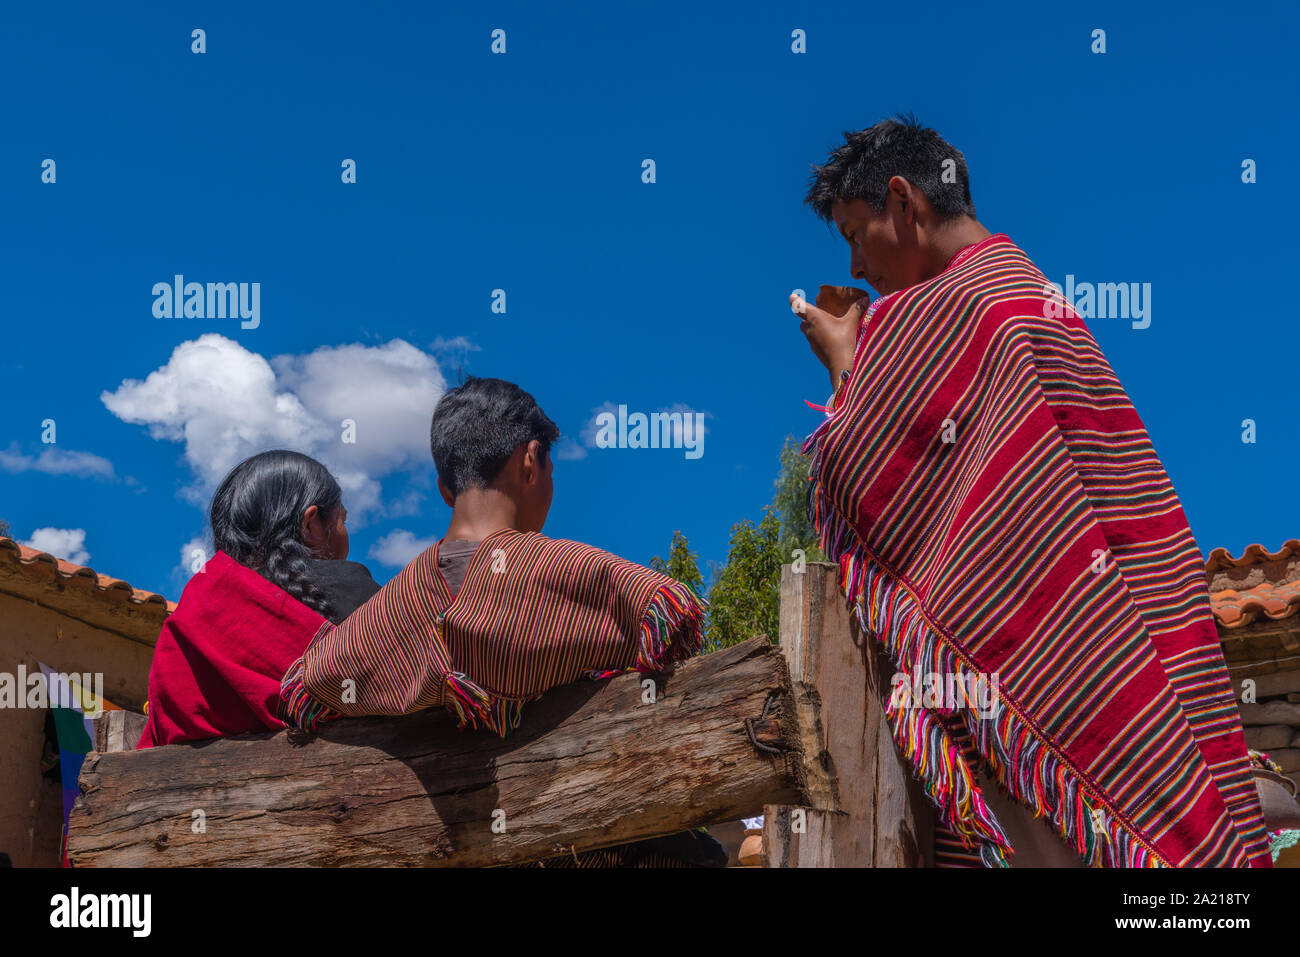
(997, 510)
(220, 657)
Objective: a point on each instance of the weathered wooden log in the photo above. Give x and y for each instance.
(593, 764)
(881, 818)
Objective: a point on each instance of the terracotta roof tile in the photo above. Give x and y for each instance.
(42, 564)
(1260, 585)
(1253, 555)
(1235, 609)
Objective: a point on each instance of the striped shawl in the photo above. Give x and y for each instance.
(532, 613)
(997, 509)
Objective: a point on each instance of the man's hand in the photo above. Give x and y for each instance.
(832, 325)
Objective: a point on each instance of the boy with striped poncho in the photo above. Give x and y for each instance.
(496, 613)
(997, 511)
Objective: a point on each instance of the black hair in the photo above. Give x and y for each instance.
(256, 518)
(478, 425)
(864, 165)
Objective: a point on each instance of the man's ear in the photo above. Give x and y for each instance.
(903, 193)
(532, 462)
(446, 493)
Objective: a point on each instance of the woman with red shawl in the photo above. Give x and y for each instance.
(278, 577)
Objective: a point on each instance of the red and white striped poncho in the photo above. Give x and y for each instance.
(996, 507)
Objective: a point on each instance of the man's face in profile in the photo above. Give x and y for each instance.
(882, 246)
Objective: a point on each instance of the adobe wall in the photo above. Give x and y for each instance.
(30, 806)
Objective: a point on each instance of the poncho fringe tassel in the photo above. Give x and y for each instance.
(886, 609)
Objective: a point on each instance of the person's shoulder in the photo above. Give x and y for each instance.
(993, 263)
(342, 571)
(347, 585)
(998, 280)
(216, 577)
(558, 550)
(355, 570)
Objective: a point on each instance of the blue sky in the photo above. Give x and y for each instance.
(522, 172)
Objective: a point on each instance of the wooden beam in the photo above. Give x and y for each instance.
(881, 818)
(592, 765)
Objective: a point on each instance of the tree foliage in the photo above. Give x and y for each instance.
(745, 599)
(745, 592)
(682, 564)
(791, 503)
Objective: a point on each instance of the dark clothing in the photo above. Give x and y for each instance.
(347, 585)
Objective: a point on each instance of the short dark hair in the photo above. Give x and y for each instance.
(863, 166)
(478, 425)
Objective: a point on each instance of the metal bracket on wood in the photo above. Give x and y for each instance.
(767, 729)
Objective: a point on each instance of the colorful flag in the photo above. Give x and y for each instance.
(74, 705)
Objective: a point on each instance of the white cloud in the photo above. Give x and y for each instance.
(66, 543)
(568, 450)
(388, 390)
(56, 461)
(225, 403)
(589, 429)
(399, 547)
(195, 551)
(456, 344)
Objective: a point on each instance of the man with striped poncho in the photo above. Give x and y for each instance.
(496, 613)
(998, 514)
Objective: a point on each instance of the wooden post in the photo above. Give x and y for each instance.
(840, 679)
(594, 764)
(118, 730)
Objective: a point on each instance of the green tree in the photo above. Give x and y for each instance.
(791, 503)
(745, 599)
(4, 529)
(745, 592)
(682, 564)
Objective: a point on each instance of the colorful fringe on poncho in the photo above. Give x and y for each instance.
(997, 510)
(532, 613)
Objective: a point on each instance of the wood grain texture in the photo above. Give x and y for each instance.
(591, 766)
(118, 730)
(877, 815)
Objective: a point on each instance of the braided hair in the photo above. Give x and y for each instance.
(256, 518)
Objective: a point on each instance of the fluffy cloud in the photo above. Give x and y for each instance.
(56, 461)
(224, 403)
(589, 429)
(66, 543)
(194, 555)
(397, 548)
